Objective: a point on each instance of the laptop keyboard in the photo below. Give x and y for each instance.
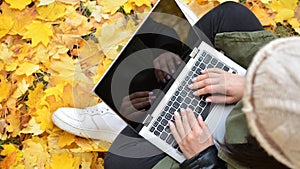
(183, 98)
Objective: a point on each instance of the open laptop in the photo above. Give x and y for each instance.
(149, 79)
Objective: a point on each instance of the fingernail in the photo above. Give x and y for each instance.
(171, 123)
(178, 62)
(181, 109)
(202, 71)
(164, 81)
(195, 93)
(173, 71)
(208, 100)
(152, 97)
(176, 113)
(150, 93)
(168, 77)
(194, 79)
(190, 86)
(200, 117)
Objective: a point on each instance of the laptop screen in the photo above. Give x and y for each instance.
(147, 66)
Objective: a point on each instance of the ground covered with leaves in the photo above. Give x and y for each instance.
(53, 52)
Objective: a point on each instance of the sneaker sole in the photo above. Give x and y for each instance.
(92, 134)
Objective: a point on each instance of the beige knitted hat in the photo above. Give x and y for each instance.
(272, 99)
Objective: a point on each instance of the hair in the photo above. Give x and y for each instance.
(251, 155)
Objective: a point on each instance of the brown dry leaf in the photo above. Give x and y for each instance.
(261, 14)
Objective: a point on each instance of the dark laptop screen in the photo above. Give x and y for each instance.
(148, 64)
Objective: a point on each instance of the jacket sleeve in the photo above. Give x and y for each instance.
(206, 159)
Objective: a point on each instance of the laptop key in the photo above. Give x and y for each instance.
(206, 110)
(220, 65)
(159, 119)
(187, 100)
(163, 135)
(152, 129)
(183, 105)
(176, 105)
(160, 128)
(209, 66)
(172, 110)
(202, 66)
(167, 129)
(179, 99)
(198, 71)
(156, 133)
(207, 59)
(194, 102)
(214, 61)
(175, 145)
(183, 93)
(168, 116)
(226, 68)
(164, 122)
(170, 139)
(179, 150)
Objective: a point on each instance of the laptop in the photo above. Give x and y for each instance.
(148, 81)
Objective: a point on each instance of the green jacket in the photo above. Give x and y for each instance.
(241, 48)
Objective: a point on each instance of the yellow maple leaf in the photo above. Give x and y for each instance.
(32, 128)
(18, 4)
(132, 4)
(44, 118)
(5, 88)
(8, 149)
(284, 8)
(14, 123)
(64, 160)
(22, 88)
(6, 23)
(38, 32)
(27, 68)
(65, 139)
(51, 12)
(110, 6)
(5, 53)
(35, 154)
(262, 15)
(20, 18)
(35, 96)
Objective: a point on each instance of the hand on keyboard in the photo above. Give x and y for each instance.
(191, 133)
(225, 87)
(165, 65)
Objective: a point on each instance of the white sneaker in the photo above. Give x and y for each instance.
(96, 122)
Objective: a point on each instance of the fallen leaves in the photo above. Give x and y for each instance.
(53, 52)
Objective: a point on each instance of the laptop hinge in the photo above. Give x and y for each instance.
(194, 52)
(148, 119)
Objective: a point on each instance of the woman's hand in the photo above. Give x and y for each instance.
(191, 133)
(225, 87)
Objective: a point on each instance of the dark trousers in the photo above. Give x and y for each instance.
(129, 150)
